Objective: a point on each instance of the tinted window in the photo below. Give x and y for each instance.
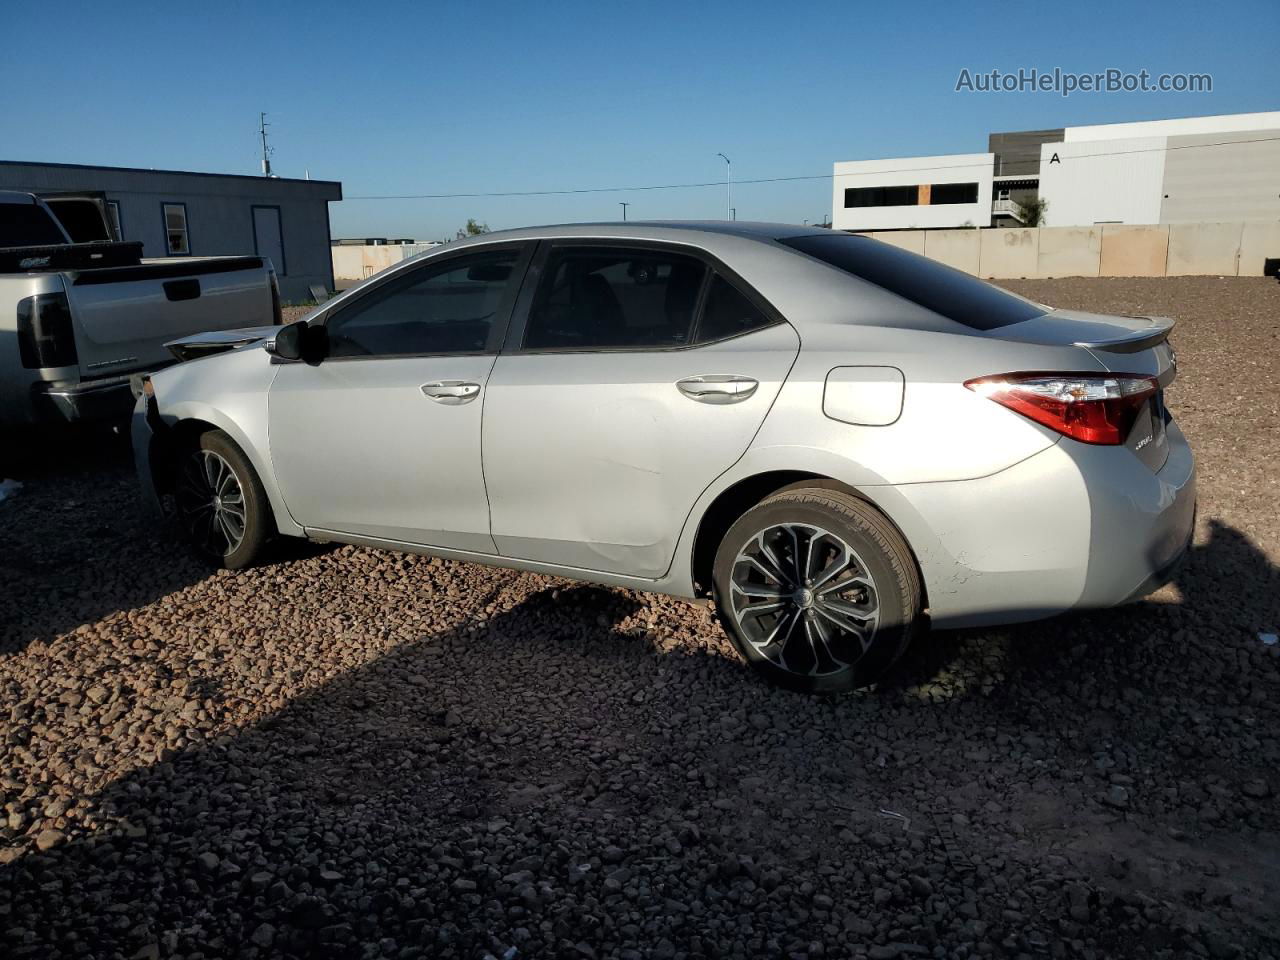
(80, 217)
(728, 313)
(27, 225)
(907, 196)
(926, 282)
(442, 308)
(600, 298)
(953, 193)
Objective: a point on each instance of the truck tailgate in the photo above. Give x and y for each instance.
(125, 315)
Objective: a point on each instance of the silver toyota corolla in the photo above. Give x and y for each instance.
(837, 440)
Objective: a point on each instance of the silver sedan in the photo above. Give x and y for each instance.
(835, 439)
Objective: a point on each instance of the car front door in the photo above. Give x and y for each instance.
(381, 438)
(638, 374)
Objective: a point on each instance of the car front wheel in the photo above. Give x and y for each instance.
(220, 504)
(817, 590)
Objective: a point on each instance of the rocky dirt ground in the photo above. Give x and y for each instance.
(359, 754)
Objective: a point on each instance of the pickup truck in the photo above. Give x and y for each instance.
(79, 320)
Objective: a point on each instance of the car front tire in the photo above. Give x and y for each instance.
(817, 590)
(220, 505)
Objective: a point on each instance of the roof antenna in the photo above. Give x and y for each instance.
(266, 150)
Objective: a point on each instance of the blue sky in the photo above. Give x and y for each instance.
(443, 98)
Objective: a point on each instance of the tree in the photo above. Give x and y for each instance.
(1032, 212)
(472, 229)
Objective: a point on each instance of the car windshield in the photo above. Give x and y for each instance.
(952, 293)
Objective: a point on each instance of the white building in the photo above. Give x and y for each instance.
(1197, 169)
(913, 192)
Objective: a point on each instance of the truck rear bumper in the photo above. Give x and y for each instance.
(110, 398)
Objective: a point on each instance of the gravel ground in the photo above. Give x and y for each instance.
(360, 754)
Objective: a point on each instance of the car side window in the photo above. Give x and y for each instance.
(601, 298)
(443, 308)
(728, 313)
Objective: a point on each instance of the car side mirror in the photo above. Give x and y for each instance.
(300, 341)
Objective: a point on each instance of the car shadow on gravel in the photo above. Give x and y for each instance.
(78, 546)
(1224, 585)
(557, 778)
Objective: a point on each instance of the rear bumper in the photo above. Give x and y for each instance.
(106, 399)
(1075, 526)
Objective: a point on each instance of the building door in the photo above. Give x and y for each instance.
(268, 237)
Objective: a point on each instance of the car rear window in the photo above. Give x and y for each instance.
(942, 289)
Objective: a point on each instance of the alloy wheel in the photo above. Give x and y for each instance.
(803, 599)
(211, 503)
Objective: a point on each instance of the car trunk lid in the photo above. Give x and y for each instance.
(1122, 344)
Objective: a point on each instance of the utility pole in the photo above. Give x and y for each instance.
(266, 151)
(728, 187)
(624, 210)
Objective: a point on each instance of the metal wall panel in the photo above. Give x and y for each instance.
(1237, 178)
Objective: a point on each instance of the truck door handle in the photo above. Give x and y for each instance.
(451, 392)
(188, 289)
(718, 388)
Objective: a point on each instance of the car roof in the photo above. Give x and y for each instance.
(804, 290)
(689, 231)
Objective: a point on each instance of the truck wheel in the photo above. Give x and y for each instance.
(221, 506)
(817, 590)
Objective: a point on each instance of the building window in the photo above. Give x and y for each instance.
(177, 242)
(113, 214)
(882, 196)
(954, 193)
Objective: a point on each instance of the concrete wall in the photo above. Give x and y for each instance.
(354, 262)
(1011, 252)
(1258, 242)
(1068, 252)
(1204, 248)
(1107, 250)
(956, 248)
(913, 171)
(1129, 251)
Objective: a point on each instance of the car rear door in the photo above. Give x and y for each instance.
(381, 439)
(633, 376)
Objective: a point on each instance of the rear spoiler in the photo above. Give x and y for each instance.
(1136, 341)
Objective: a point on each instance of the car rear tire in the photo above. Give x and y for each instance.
(817, 590)
(220, 505)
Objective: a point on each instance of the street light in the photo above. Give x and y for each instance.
(728, 186)
(624, 206)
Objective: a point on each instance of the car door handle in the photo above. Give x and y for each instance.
(718, 388)
(451, 392)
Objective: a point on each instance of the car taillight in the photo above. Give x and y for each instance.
(1092, 408)
(276, 313)
(45, 334)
